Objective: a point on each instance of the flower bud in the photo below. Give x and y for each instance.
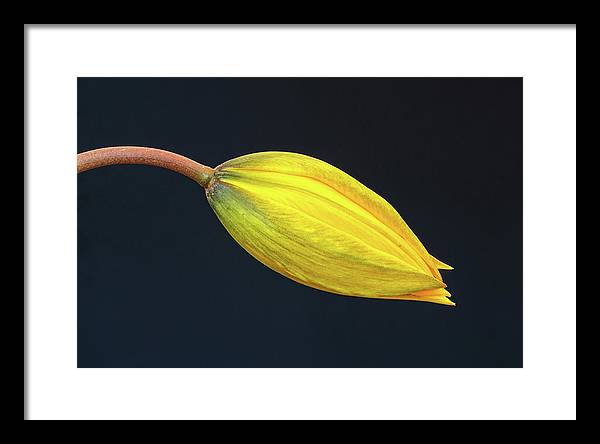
(315, 224)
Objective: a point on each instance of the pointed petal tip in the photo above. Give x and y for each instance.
(441, 265)
(438, 300)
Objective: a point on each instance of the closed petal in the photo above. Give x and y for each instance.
(307, 249)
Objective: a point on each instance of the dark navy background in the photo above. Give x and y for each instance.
(162, 284)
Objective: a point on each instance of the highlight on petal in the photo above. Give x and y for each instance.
(315, 224)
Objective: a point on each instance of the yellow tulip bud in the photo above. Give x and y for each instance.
(315, 224)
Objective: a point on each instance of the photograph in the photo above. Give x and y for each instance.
(328, 222)
(300, 222)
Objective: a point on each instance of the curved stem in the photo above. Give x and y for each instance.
(139, 155)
